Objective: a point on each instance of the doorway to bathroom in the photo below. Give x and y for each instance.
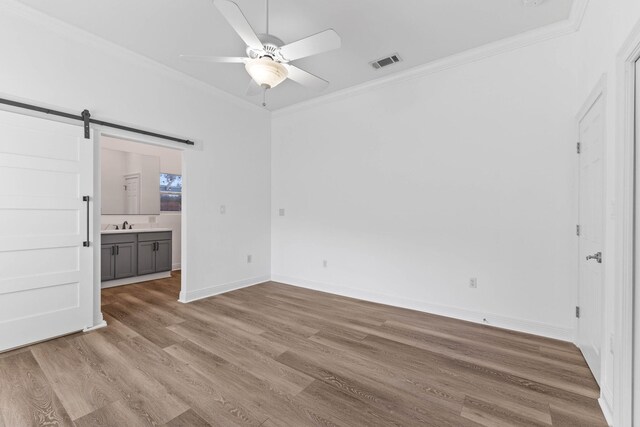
(140, 222)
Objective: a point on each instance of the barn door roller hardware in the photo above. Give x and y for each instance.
(85, 117)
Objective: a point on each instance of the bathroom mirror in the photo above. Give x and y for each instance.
(130, 183)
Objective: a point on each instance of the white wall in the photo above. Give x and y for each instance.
(59, 66)
(170, 160)
(411, 189)
(111, 183)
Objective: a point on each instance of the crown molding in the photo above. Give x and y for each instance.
(93, 41)
(552, 31)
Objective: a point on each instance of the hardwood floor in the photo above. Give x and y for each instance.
(276, 355)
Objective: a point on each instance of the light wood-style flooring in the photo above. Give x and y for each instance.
(277, 355)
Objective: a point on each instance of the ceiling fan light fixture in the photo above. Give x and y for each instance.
(266, 72)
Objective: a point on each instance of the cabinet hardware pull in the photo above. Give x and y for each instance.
(113, 250)
(117, 250)
(86, 242)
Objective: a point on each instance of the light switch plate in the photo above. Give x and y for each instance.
(281, 212)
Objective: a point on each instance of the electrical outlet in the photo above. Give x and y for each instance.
(281, 212)
(223, 209)
(325, 263)
(473, 282)
(249, 259)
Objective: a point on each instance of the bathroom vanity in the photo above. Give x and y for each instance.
(130, 256)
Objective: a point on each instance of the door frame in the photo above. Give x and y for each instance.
(599, 93)
(625, 232)
(97, 237)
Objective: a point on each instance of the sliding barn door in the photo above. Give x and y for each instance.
(46, 272)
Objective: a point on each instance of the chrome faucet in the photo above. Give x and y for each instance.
(124, 225)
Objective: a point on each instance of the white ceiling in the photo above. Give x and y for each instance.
(421, 31)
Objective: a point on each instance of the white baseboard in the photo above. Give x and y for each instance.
(220, 289)
(135, 279)
(100, 325)
(606, 409)
(520, 325)
(175, 266)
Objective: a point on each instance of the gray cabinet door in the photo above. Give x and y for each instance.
(126, 265)
(163, 255)
(107, 263)
(146, 258)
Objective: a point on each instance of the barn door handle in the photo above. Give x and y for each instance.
(86, 242)
(597, 256)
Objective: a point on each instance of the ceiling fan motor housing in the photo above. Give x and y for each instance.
(271, 48)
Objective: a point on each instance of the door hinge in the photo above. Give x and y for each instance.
(578, 148)
(577, 312)
(577, 230)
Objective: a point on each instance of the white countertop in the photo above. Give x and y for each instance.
(135, 230)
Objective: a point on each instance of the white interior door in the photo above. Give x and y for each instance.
(132, 193)
(590, 296)
(46, 275)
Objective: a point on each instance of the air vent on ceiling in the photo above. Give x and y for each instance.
(380, 63)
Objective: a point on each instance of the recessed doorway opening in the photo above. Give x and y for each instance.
(140, 218)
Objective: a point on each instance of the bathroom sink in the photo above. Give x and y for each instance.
(135, 230)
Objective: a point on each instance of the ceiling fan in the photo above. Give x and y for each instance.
(268, 58)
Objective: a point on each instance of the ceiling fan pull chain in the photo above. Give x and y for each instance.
(264, 97)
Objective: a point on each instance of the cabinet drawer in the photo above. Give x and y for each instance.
(148, 237)
(107, 239)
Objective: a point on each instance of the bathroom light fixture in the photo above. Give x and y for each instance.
(266, 72)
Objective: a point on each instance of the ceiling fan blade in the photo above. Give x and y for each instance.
(305, 78)
(220, 59)
(254, 89)
(238, 22)
(312, 45)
